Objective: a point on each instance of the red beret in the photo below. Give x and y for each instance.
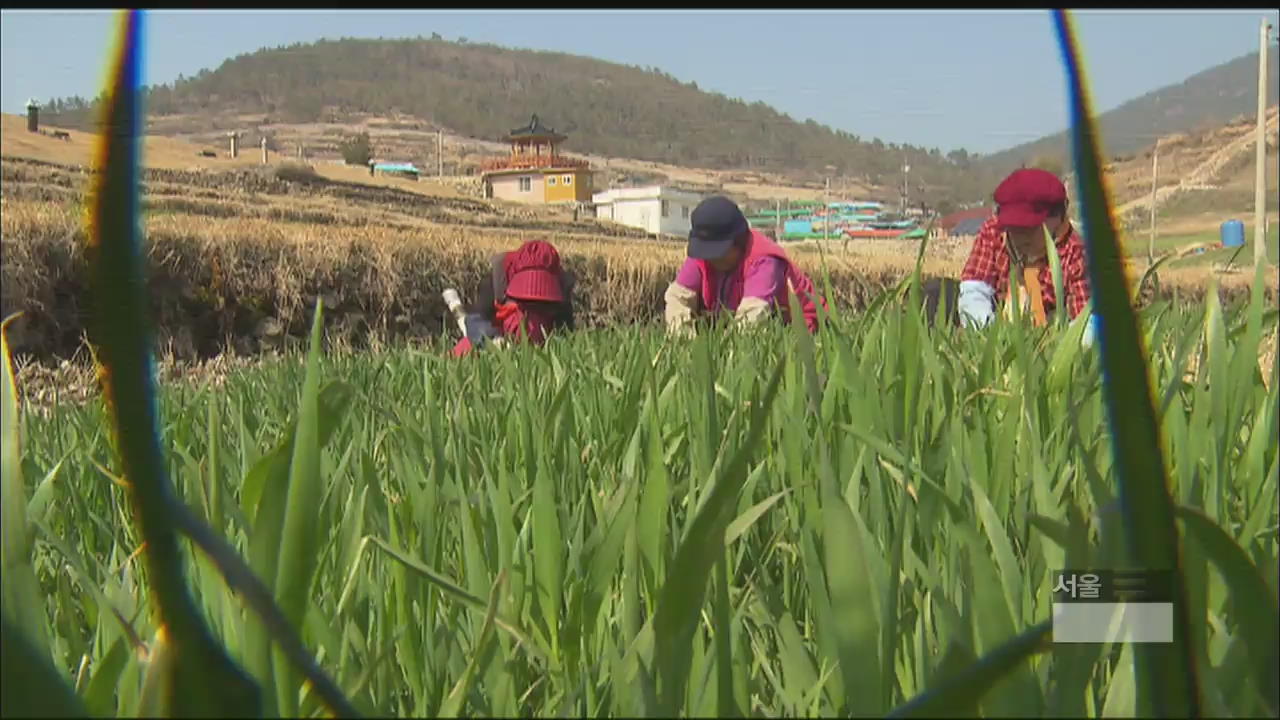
(1027, 197)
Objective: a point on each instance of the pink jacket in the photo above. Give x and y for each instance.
(760, 245)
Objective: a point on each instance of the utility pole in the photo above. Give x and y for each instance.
(906, 185)
(439, 153)
(1260, 176)
(1155, 165)
(777, 219)
(826, 208)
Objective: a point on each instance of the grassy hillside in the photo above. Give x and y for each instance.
(483, 91)
(1217, 96)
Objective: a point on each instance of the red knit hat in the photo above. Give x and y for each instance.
(533, 272)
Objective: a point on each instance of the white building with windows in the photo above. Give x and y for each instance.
(656, 209)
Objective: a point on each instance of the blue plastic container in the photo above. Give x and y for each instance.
(1232, 233)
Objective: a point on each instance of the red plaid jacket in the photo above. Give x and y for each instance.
(989, 263)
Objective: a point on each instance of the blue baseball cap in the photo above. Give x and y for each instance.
(714, 224)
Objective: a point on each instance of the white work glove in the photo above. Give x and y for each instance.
(681, 303)
(751, 311)
(977, 303)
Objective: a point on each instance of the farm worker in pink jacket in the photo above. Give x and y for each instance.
(732, 267)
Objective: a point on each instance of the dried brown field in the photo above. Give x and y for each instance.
(406, 139)
(240, 251)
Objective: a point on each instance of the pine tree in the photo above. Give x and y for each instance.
(357, 150)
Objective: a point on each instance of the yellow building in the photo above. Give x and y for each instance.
(535, 171)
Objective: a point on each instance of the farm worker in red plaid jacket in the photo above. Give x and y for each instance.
(1029, 203)
(732, 267)
(526, 296)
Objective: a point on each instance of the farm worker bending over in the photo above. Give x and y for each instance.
(733, 267)
(526, 295)
(1028, 203)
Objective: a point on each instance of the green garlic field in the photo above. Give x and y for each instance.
(624, 524)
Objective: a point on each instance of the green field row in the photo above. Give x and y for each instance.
(622, 524)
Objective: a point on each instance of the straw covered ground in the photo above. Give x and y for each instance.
(239, 257)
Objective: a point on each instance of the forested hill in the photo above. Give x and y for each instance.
(484, 91)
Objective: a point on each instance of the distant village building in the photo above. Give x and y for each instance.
(963, 224)
(967, 229)
(536, 172)
(656, 209)
(844, 220)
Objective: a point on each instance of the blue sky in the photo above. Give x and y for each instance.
(982, 80)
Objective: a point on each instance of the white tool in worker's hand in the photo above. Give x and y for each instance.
(454, 303)
(473, 326)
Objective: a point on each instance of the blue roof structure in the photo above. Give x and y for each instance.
(396, 167)
(968, 227)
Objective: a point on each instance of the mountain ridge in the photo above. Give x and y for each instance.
(1213, 97)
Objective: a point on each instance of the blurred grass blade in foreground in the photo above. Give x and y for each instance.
(1166, 677)
(204, 680)
(959, 692)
